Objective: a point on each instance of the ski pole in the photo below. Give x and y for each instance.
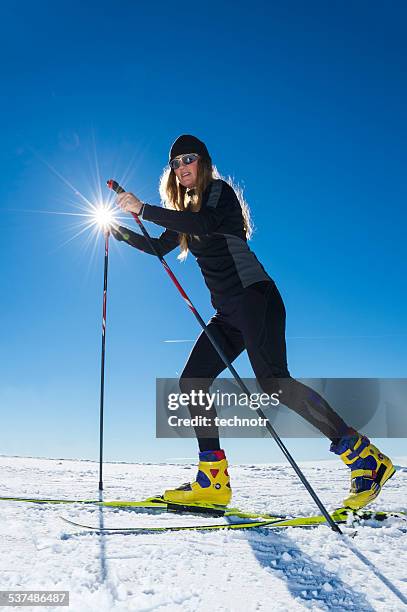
(102, 366)
(118, 189)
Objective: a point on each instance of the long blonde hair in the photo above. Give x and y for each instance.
(174, 196)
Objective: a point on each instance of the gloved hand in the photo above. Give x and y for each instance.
(121, 233)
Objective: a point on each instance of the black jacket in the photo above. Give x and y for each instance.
(216, 237)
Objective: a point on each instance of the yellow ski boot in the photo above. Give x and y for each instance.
(212, 484)
(370, 469)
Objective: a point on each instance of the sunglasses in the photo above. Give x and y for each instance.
(187, 159)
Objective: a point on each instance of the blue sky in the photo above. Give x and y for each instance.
(303, 103)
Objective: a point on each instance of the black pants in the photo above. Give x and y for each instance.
(254, 321)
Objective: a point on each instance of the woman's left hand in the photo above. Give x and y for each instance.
(129, 202)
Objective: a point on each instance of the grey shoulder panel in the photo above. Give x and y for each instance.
(214, 194)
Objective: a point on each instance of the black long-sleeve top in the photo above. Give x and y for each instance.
(216, 237)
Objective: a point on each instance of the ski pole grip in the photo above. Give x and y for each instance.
(115, 186)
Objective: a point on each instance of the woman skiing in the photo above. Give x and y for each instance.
(203, 214)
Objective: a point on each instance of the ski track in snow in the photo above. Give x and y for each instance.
(252, 570)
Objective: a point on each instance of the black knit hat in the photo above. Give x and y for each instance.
(188, 144)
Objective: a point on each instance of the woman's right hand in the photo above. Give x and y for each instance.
(129, 202)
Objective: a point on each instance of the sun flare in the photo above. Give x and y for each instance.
(104, 216)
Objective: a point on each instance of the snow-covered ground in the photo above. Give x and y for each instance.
(251, 570)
